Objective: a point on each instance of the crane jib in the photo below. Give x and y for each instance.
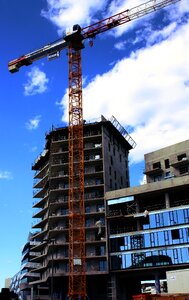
(77, 36)
(125, 16)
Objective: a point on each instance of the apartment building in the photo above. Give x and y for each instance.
(106, 149)
(148, 225)
(167, 162)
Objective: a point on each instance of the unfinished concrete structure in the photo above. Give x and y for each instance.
(167, 162)
(148, 225)
(106, 149)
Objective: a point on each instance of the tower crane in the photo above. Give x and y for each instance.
(74, 42)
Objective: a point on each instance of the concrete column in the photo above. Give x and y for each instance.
(167, 200)
(157, 283)
(137, 206)
(139, 227)
(137, 211)
(32, 297)
(113, 287)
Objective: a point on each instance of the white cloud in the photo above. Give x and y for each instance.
(66, 13)
(5, 175)
(121, 45)
(149, 36)
(142, 180)
(37, 82)
(33, 123)
(34, 149)
(162, 34)
(174, 12)
(148, 91)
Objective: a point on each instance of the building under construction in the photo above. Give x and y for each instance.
(106, 149)
(133, 234)
(148, 225)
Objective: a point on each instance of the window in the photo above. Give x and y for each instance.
(102, 265)
(167, 175)
(175, 234)
(88, 222)
(115, 175)
(87, 209)
(157, 165)
(100, 250)
(111, 160)
(98, 168)
(183, 169)
(167, 165)
(98, 181)
(110, 170)
(181, 157)
(120, 158)
(157, 178)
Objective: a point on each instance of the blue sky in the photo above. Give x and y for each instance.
(138, 73)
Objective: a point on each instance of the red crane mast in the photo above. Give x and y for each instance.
(74, 43)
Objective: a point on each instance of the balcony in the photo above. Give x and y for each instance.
(40, 182)
(180, 162)
(38, 234)
(151, 170)
(40, 223)
(42, 171)
(41, 160)
(39, 213)
(31, 265)
(39, 193)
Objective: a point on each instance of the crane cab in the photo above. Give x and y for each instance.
(75, 38)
